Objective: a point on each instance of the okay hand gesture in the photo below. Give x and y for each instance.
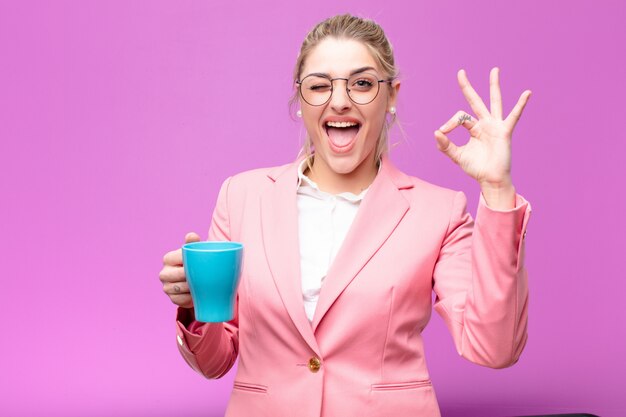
(487, 155)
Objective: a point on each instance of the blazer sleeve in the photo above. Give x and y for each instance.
(481, 284)
(210, 348)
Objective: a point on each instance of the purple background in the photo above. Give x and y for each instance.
(119, 121)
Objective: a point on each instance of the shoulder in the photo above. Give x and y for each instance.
(423, 186)
(442, 206)
(418, 189)
(258, 178)
(437, 200)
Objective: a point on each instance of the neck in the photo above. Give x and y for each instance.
(336, 183)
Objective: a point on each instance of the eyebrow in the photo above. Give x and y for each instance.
(356, 71)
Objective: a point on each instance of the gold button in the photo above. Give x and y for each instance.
(314, 364)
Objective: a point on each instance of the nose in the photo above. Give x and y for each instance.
(340, 101)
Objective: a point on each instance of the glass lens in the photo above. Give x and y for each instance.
(363, 88)
(316, 90)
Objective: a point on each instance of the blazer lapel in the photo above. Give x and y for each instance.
(279, 222)
(380, 212)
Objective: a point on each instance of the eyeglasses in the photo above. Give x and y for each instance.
(362, 88)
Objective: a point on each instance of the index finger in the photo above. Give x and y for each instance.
(174, 258)
(472, 97)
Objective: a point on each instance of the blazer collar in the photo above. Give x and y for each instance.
(380, 212)
(399, 178)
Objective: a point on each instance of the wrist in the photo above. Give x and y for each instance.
(499, 196)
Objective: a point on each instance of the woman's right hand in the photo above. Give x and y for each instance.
(173, 277)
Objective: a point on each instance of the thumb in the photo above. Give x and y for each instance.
(446, 146)
(192, 237)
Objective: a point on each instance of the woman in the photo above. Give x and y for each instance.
(343, 250)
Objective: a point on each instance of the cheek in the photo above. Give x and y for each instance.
(311, 124)
(376, 121)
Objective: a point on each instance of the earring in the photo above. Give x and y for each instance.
(299, 113)
(392, 110)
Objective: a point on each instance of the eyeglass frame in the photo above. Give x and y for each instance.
(332, 88)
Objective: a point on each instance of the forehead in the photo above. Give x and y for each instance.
(337, 57)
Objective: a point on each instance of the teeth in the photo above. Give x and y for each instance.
(341, 124)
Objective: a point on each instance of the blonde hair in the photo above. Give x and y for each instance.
(355, 28)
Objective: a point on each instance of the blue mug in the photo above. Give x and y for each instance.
(213, 271)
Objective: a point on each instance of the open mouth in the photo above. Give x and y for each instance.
(342, 135)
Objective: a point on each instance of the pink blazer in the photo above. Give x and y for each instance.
(363, 353)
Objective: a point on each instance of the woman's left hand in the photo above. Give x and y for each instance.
(487, 155)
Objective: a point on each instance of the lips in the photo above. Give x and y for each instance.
(342, 134)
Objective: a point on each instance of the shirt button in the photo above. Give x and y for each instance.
(180, 341)
(314, 364)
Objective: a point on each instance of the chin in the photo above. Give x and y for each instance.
(344, 164)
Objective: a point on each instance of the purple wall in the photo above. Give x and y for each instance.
(119, 120)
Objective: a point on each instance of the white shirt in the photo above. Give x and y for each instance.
(323, 220)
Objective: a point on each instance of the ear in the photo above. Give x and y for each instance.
(394, 88)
